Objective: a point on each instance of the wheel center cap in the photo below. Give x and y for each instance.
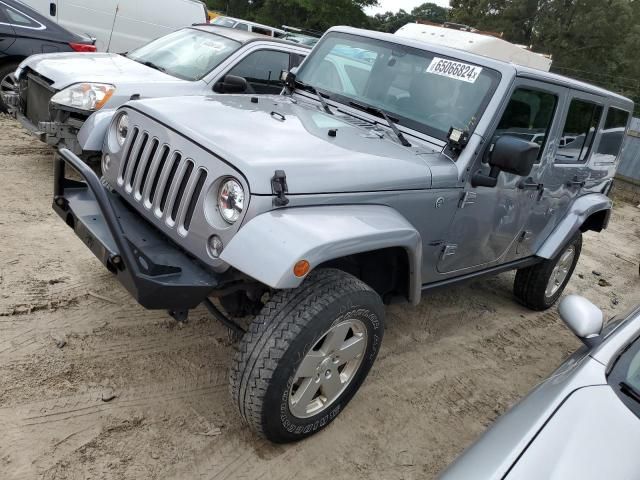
(325, 364)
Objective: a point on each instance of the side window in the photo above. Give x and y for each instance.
(261, 31)
(262, 70)
(579, 132)
(296, 60)
(18, 19)
(612, 136)
(529, 115)
(242, 26)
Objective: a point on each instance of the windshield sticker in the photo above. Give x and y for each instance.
(459, 71)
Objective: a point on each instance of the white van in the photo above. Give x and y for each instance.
(247, 26)
(122, 25)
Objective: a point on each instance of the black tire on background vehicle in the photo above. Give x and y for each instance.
(306, 354)
(7, 81)
(540, 286)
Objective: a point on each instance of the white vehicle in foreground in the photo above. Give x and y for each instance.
(583, 422)
(122, 25)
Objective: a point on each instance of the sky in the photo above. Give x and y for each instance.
(395, 5)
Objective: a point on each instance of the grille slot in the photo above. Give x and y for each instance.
(193, 202)
(142, 179)
(127, 155)
(137, 154)
(164, 155)
(167, 185)
(181, 188)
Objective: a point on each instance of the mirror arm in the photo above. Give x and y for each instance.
(480, 179)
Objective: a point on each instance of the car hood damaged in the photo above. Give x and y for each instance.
(64, 69)
(319, 152)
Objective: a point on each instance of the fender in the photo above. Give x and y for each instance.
(92, 134)
(268, 246)
(581, 209)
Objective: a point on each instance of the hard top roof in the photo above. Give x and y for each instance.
(501, 66)
(241, 36)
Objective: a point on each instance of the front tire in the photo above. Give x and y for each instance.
(540, 286)
(8, 81)
(306, 355)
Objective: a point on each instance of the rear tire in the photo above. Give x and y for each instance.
(540, 286)
(7, 81)
(306, 355)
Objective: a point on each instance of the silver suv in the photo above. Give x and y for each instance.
(387, 168)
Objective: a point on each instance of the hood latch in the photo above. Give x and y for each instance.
(280, 189)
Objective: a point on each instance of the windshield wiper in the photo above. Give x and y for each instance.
(310, 89)
(381, 113)
(630, 391)
(153, 65)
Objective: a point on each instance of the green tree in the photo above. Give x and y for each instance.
(391, 22)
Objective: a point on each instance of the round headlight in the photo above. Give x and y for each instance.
(122, 128)
(231, 200)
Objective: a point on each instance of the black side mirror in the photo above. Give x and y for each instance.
(511, 155)
(231, 84)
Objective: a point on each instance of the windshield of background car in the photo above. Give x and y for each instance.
(188, 54)
(424, 91)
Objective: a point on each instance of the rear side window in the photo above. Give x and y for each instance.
(528, 116)
(579, 132)
(19, 19)
(612, 136)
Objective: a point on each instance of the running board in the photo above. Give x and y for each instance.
(522, 263)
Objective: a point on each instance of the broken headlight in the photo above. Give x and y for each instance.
(85, 96)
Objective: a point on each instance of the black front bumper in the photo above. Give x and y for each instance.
(157, 273)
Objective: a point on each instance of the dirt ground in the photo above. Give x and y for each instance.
(446, 370)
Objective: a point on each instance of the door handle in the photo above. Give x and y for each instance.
(576, 183)
(529, 184)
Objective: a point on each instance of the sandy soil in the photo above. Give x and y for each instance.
(447, 369)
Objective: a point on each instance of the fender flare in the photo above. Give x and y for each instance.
(581, 209)
(269, 245)
(92, 134)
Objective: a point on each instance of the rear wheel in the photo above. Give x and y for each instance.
(8, 82)
(306, 355)
(539, 287)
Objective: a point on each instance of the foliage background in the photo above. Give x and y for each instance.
(593, 40)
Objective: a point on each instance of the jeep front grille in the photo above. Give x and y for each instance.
(161, 179)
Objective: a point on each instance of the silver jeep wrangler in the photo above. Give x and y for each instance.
(387, 168)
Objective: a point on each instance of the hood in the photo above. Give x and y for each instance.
(65, 69)
(593, 435)
(260, 135)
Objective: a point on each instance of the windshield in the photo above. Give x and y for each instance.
(188, 54)
(423, 91)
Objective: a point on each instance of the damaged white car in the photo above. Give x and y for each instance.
(68, 100)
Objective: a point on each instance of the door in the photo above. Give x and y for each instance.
(565, 178)
(490, 221)
(262, 70)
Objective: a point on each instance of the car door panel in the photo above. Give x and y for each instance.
(489, 222)
(566, 176)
